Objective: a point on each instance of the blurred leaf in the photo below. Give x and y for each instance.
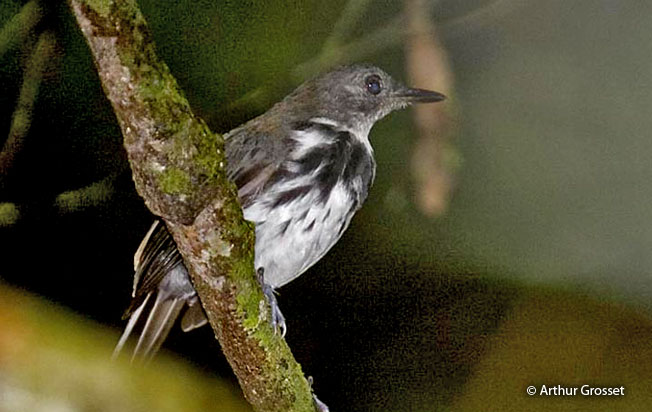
(9, 214)
(51, 360)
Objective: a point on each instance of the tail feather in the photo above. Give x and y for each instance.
(161, 318)
(159, 271)
(152, 331)
(133, 319)
(194, 317)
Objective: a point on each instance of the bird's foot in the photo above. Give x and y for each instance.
(319, 405)
(278, 320)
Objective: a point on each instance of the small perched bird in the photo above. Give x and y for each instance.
(303, 169)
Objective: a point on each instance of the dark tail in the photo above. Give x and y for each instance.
(162, 289)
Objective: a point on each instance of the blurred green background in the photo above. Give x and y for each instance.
(537, 273)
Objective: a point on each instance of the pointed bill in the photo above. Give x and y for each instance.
(418, 95)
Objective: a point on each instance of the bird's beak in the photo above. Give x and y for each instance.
(418, 95)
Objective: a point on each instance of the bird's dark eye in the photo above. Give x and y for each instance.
(373, 84)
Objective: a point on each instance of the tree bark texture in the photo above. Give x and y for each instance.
(178, 167)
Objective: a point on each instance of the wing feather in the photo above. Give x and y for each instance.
(252, 160)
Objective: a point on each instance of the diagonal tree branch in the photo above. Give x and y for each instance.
(178, 167)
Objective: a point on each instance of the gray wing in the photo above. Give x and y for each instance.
(253, 157)
(162, 287)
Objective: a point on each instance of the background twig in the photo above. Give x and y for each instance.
(434, 159)
(23, 113)
(19, 27)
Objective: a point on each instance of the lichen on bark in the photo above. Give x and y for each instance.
(178, 167)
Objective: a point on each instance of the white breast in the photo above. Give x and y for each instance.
(305, 207)
(289, 240)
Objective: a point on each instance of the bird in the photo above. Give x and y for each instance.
(302, 169)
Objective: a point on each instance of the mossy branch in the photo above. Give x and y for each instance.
(178, 167)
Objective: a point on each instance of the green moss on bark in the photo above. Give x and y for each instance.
(179, 169)
(175, 181)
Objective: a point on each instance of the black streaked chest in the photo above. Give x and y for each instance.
(324, 157)
(309, 201)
